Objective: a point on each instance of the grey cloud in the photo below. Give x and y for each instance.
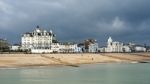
(78, 19)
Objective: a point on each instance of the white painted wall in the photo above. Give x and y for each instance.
(15, 48)
(140, 49)
(41, 51)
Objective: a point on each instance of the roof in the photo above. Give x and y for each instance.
(16, 44)
(67, 43)
(40, 32)
(138, 46)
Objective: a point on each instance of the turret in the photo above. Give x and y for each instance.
(51, 31)
(109, 41)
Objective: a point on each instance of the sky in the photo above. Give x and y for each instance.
(77, 20)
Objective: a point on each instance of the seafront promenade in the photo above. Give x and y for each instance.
(27, 60)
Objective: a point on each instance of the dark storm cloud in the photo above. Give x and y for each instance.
(73, 20)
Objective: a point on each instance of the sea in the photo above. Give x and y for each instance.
(109, 73)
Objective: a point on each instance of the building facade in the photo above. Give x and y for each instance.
(69, 48)
(126, 48)
(138, 48)
(4, 45)
(42, 41)
(115, 46)
(93, 48)
(15, 47)
(37, 40)
(89, 46)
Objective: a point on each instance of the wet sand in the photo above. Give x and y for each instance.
(26, 60)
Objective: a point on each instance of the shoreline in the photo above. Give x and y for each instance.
(73, 60)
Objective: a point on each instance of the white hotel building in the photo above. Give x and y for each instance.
(115, 46)
(42, 41)
(38, 41)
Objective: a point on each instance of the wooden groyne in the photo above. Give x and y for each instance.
(132, 58)
(138, 54)
(59, 61)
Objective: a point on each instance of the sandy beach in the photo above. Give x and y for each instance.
(25, 60)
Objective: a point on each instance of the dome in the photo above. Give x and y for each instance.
(38, 30)
(51, 31)
(110, 39)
